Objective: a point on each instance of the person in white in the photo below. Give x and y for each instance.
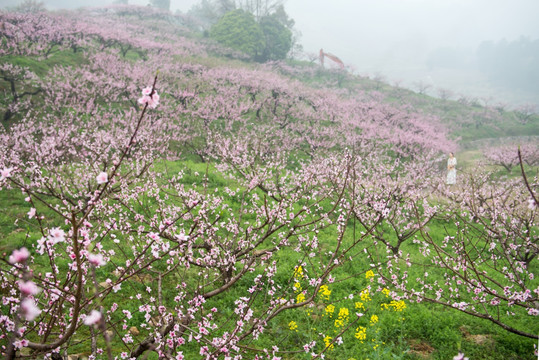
(451, 170)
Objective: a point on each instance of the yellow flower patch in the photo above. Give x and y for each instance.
(324, 292)
(293, 325)
(361, 333)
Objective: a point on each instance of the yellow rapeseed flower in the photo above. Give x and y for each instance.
(374, 319)
(327, 342)
(361, 333)
(324, 292)
(398, 305)
(359, 305)
(300, 298)
(365, 295)
(369, 274)
(385, 291)
(297, 287)
(330, 309)
(293, 325)
(343, 316)
(298, 272)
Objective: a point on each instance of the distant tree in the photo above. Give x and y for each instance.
(379, 80)
(281, 15)
(260, 8)
(507, 155)
(31, 6)
(238, 29)
(161, 4)
(208, 12)
(277, 38)
(445, 94)
(422, 86)
(501, 107)
(225, 6)
(525, 112)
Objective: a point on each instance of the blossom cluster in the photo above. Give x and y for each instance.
(149, 97)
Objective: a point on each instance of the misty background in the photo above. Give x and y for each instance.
(483, 49)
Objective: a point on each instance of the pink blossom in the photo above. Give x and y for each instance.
(57, 235)
(92, 319)
(96, 260)
(21, 331)
(152, 101)
(28, 288)
(19, 256)
(29, 309)
(5, 173)
(20, 343)
(147, 91)
(31, 213)
(127, 314)
(460, 356)
(181, 237)
(102, 178)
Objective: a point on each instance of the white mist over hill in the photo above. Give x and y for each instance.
(395, 39)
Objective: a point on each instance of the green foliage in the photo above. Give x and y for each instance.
(278, 38)
(41, 66)
(238, 29)
(269, 39)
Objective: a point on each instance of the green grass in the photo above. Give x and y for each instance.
(42, 66)
(427, 331)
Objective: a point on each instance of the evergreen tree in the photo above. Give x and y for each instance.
(238, 29)
(277, 38)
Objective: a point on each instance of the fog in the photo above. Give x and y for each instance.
(406, 42)
(395, 39)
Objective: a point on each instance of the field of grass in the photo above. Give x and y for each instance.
(386, 329)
